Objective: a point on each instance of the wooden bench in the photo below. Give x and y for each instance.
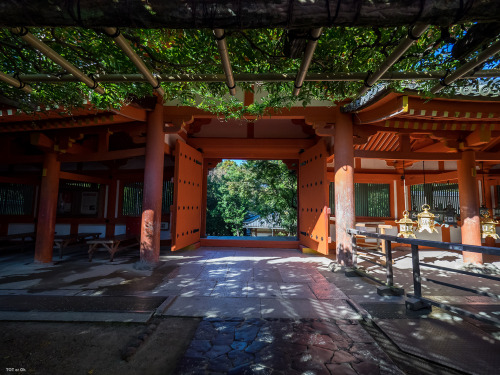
(62, 241)
(6, 241)
(112, 244)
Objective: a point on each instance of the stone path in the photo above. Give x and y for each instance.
(283, 346)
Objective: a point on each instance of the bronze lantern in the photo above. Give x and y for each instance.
(425, 220)
(488, 226)
(406, 226)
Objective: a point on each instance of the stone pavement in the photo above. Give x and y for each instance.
(283, 346)
(282, 296)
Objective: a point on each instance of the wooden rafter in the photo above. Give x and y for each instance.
(413, 34)
(125, 46)
(306, 60)
(250, 77)
(220, 37)
(33, 41)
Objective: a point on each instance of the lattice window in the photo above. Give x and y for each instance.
(370, 200)
(435, 195)
(133, 194)
(16, 199)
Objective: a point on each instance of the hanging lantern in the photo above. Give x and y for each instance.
(488, 226)
(425, 220)
(406, 226)
(450, 216)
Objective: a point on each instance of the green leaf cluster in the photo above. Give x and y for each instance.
(170, 52)
(262, 187)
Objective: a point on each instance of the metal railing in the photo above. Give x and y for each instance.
(415, 300)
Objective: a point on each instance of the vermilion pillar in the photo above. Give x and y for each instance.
(344, 187)
(469, 205)
(203, 229)
(153, 185)
(111, 209)
(46, 222)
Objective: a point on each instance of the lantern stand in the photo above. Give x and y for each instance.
(425, 219)
(405, 224)
(488, 224)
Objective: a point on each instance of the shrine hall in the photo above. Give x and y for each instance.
(72, 172)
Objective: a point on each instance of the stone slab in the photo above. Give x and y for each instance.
(305, 308)
(44, 316)
(446, 343)
(221, 307)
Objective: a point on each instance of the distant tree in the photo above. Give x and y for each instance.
(267, 188)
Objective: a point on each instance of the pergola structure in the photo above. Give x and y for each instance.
(374, 139)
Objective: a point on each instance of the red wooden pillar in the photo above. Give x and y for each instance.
(153, 185)
(400, 194)
(344, 187)
(111, 209)
(469, 205)
(204, 188)
(46, 221)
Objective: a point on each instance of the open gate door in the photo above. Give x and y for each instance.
(313, 199)
(186, 215)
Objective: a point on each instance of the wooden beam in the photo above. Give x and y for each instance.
(167, 150)
(41, 141)
(479, 137)
(391, 108)
(132, 113)
(435, 147)
(239, 148)
(394, 155)
(102, 156)
(84, 178)
(32, 180)
(431, 178)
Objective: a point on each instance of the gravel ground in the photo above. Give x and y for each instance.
(94, 348)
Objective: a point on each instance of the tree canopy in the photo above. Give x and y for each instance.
(263, 187)
(194, 52)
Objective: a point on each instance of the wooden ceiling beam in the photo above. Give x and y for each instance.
(256, 148)
(103, 156)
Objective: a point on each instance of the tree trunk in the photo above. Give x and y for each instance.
(237, 14)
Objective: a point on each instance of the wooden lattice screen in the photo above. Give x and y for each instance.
(313, 198)
(187, 196)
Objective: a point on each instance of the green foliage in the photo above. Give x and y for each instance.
(261, 187)
(340, 49)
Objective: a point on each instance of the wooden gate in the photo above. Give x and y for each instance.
(186, 219)
(313, 199)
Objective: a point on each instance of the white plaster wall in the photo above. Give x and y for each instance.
(374, 164)
(69, 166)
(92, 228)
(134, 163)
(455, 235)
(333, 234)
(27, 168)
(449, 165)
(430, 165)
(95, 166)
(120, 229)
(16, 228)
(63, 229)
